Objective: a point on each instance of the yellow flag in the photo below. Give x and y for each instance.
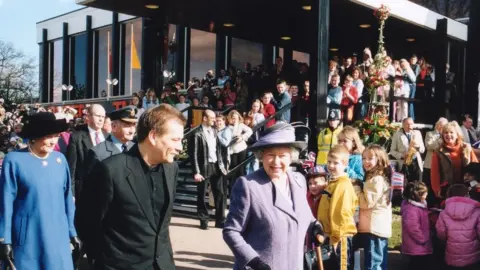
(135, 60)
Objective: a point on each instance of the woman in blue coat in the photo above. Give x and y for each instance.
(36, 203)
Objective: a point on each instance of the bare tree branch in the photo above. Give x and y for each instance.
(17, 75)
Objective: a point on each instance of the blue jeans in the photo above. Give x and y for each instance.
(376, 252)
(411, 107)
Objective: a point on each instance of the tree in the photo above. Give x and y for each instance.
(450, 8)
(18, 81)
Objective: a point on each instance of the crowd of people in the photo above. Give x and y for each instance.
(112, 177)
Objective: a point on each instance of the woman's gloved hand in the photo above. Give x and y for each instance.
(317, 233)
(77, 244)
(257, 264)
(6, 252)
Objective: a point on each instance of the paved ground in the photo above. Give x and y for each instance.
(197, 249)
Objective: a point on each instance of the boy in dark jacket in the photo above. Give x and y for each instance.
(471, 175)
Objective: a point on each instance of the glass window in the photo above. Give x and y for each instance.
(133, 56)
(104, 49)
(78, 47)
(57, 70)
(202, 53)
(301, 57)
(246, 51)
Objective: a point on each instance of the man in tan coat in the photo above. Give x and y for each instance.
(407, 144)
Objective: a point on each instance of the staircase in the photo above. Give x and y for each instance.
(185, 203)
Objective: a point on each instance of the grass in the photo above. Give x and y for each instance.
(396, 240)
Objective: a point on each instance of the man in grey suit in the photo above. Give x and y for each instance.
(124, 122)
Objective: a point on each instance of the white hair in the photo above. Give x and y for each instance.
(295, 154)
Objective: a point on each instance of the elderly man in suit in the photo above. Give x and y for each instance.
(407, 147)
(269, 214)
(125, 221)
(82, 140)
(208, 160)
(124, 122)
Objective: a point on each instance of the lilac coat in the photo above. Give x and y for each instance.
(459, 226)
(261, 222)
(415, 229)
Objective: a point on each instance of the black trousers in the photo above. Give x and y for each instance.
(215, 178)
(419, 262)
(412, 171)
(236, 159)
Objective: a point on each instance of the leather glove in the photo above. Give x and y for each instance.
(6, 252)
(77, 244)
(77, 249)
(315, 231)
(257, 264)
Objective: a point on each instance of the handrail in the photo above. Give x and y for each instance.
(279, 112)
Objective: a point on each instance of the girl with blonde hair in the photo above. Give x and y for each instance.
(350, 138)
(375, 217)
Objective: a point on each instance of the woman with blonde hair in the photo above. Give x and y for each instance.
(350, 138)
(449, 160)
(238, 146)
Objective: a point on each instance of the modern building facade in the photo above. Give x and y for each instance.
(101, 53)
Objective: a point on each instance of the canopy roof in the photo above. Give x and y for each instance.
(267, 21)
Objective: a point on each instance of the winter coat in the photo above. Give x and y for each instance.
(415, 229)
(355, 167)
(375, 208)
(337, 208)
(459, 226)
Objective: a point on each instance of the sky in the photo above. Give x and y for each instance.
(18, 19)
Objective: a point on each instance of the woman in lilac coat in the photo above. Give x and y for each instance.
(416, 242)
(459, 226)
(269, 214)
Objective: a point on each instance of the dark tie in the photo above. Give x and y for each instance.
(124, 148)
(409, 136)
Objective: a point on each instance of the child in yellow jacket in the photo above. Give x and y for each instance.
(337, 209)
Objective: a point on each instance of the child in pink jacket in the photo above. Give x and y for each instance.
(459, 226)
(416, 242)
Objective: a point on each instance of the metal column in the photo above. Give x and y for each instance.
(65, 61)
(473, 58)
(319, 66)
(115, 51)
(44, 64)
(441, 60)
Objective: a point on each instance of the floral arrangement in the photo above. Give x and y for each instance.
(382, 13)
(376, 81)
(377, 130)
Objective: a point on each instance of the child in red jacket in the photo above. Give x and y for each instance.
(317, 181)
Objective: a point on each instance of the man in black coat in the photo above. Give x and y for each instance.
(82, 140)
(125, 220)
(208, 164)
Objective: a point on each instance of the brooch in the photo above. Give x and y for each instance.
(44, 163)
(59, 161)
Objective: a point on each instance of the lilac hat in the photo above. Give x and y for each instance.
(280, 134)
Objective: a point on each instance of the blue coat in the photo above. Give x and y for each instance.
(262, 223)
(37, 210)
(355, 167)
